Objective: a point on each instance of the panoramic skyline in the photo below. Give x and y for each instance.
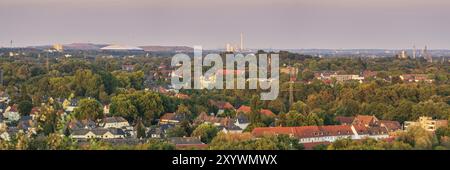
(285, 24)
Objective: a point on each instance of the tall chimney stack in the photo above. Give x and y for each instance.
(242, 42)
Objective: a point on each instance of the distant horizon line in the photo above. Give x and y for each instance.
(222, 48)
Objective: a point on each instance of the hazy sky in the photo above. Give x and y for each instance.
(212, 23)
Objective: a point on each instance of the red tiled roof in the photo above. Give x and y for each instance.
(267, 112)
(364, 120)
(182, 96)
(373, 130)
(305, 131)
(391, 125)
(244, 109)
(203, 117)
(222, 104)
(361, 129)
(345, 120)
(247, 109)
(168, 116)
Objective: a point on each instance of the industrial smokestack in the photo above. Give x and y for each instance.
(242, 42)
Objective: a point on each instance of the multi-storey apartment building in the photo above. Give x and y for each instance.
(427, 123)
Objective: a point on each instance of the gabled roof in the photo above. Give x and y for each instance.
(222, 104)
(114, 120)
(172, 116)
(73, 102)
(365, 120)
(115, 131)
(345, 120)
(244, 109)
(155, 130)
(98, 131)
(305, 131)
(168, 116)
(390, 125)
(267, 112)
(247, 109)
(80, 131)
(241, 118)
(76, 124)
(203, 117)
(232, 127)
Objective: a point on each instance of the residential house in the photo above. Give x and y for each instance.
(155, 132)
(106, 109)
(347, 77)
(242, 121)
(370, 121)
(114, 122)
(27, 124)
(323, 134)
(362, 132)
(427, 123)
(267, 112)
(11, 114)
(231, 129)
(70, 105)
(83, 124)
(309, 134)
(159, 131)
(99, 133)
(82, 134)
(327, 76)
(369, 74)
(163, 72)
(171, 118)
(216, 121)
(343, 120)
(365, 120)
(221, 105)
(247, 109)
(391, 126)
(415, 78)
